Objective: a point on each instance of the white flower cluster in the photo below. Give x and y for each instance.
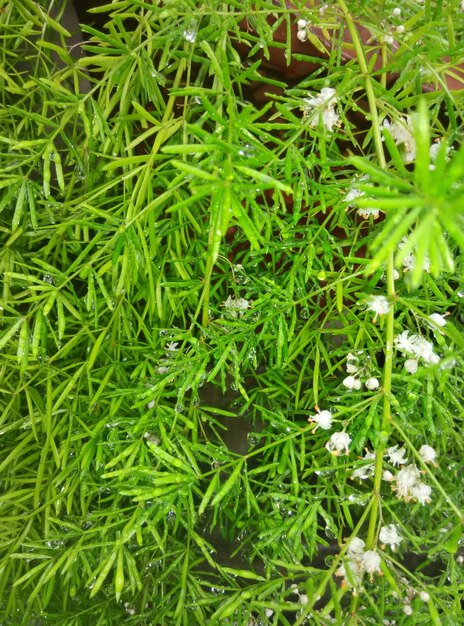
(354, 193)
(409, 487)
(356, 372)
(415, 347)
(407, 483)
(236, 306)
(302, 33)
(358, 562)
(402, 136)
(323, 106)
(401, 133)
(409, 261)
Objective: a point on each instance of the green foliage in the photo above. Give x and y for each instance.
(183, 284)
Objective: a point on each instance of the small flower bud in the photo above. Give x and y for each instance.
(372, 384)
(351, 382)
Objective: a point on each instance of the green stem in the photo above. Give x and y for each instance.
(220, 200)
(368, 83)
(375, 510)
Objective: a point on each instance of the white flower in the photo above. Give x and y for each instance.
(407, 609)
(352, 195)
(268, 612)
(172, 346)
(387, 476)
(390, 536)
(302, 24)
(366, 470)
(411, 365)
(236, 306)
(323, 419)
(372, 383)
(304, 599)
(379, 305)
(406, 478)
(409, 261)
(302, 35)
(323, 104)
(421, 492)
(424, 350)
(438, 319)
(351, 382)
(434, 150)
(396, 12)
(400, 29)
(355, 193)
(338, 442)
(403, 343)
(389, 40)
(416, 346)
(358, 562)
(371, 562)
(424, 596)
(395, 456)
(401, 134)
(365, 213)
(427, 453)
(356, 548)
(351, 572)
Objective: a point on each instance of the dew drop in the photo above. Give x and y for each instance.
(253, 439)
(190, 34)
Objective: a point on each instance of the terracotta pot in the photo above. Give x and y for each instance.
(276, 62)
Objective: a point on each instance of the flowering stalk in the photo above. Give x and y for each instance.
(386, 417)
(390, 279)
